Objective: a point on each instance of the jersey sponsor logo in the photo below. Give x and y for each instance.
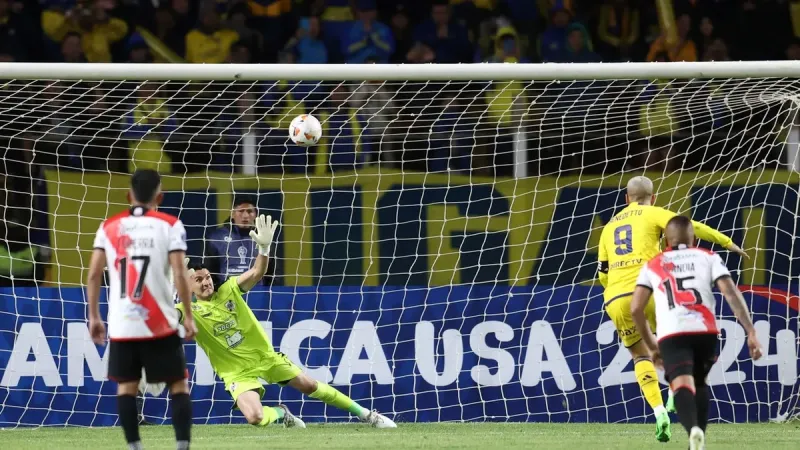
(626, 263)
(136, 312)
(221, 328)
(235, 339)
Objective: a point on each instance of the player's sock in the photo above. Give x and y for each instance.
(647, 378)
(271, 414)
(687, 410)
(182, 420)
(701, 403)
(333, 397)
(129, 420)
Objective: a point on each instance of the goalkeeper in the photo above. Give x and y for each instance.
(628, 241)
(241, 353)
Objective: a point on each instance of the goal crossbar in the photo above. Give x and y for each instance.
(400, 72)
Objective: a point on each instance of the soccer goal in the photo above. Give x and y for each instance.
(437, 254)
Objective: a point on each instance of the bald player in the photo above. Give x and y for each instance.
(680, 281)
(628, 241)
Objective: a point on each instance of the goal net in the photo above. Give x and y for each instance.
(437, 252)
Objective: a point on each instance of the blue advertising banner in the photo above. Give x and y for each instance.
(544, 354)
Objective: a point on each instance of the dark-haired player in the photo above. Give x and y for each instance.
(141, 247)
(240, 351)
(680, 280)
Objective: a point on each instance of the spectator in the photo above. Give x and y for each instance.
(209, 43)
(238, 18)
(553, 39)
(705, 35)
(307, 46)
(72, 48)
(793, 50)
(617, 30)
(167, 30)
(579, 45)
(368, 38)
(337, 17)
(506, 46)
(339, 150)
(18, 36)
(147, 126)
(447, 39)
(138, 50)
(273, 20)
(97, 29)
(373, 102)
(402, 34)
(229, 250)
(683, 50)
(717, 50)
(240, 53)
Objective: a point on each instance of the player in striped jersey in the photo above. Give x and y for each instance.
(141, 247)
(680, 281)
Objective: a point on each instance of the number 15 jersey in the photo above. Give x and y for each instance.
(137, 244)
(631, 238)
(681, 279)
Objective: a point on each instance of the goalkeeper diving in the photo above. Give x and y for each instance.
(240, 351)
(628, 241)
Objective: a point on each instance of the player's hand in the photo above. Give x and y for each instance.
(189, 272)
(97, 330)
(754, 346)
(264, 232)
(738, 250)
(190, 329)
(655, 355)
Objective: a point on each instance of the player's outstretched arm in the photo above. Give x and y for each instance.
(262, 235)
(178, 262)
(736, 301)
(701, 230)
(96, 327)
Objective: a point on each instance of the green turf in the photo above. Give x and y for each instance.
(437, 436)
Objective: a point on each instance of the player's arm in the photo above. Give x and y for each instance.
(176, 262)
(736, 301)
(262, 235)
(602, 260)
(701, 230)
(93, 281)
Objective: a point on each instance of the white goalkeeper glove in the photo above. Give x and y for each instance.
(154, 389)
(263, 234)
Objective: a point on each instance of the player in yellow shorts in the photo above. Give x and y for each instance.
(630, 239)
(240, 351)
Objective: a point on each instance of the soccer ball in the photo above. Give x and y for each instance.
(305, 130)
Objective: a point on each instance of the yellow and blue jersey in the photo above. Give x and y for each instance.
(633, 237)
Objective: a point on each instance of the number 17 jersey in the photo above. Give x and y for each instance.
(681, 279)
(137, 244)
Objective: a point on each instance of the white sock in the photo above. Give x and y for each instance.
(658, 410)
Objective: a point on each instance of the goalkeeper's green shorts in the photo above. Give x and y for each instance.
(274, 369)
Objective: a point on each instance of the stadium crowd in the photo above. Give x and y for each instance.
(470, 128)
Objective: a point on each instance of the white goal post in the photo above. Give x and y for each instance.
(437, 253)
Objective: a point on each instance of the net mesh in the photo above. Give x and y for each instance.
(413, 269)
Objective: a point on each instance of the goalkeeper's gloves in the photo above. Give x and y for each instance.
(263, 234)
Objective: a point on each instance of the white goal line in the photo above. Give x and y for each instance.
(401, 72)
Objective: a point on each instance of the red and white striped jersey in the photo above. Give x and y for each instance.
(137, 244)
(681, 280)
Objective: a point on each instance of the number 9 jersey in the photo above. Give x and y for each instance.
(681, 279)
(137, 244)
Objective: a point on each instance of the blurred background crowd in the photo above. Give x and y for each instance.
(471, 128)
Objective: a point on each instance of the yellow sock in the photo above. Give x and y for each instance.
(270, 415)
(647, 378)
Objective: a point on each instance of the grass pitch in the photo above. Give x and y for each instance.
(437, 436)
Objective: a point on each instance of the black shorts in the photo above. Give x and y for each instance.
(688, 354)
(162, 359)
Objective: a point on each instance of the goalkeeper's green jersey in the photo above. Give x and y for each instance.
(228, 331)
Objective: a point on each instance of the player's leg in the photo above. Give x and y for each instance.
(331, 396)
(125, 367)
(247, 394)
(165, 362)
(619, 310)
(281, 370)
(679, 367)
(705, 357)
